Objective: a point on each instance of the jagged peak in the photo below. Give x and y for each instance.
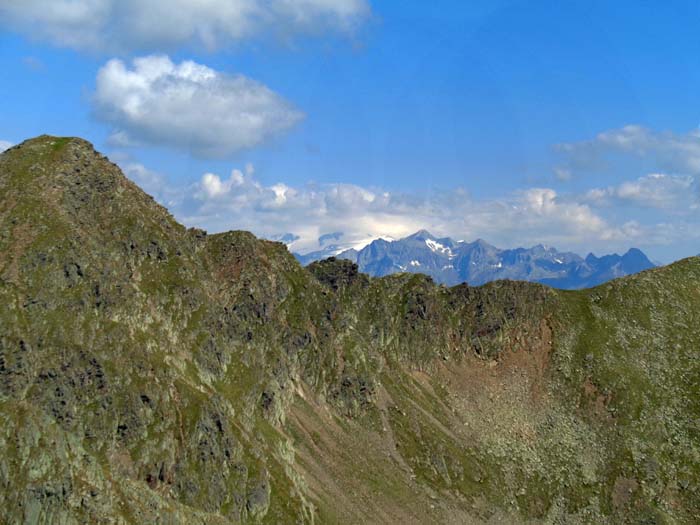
(480, 242)
(337, 273)
(422, 235)
(635, 253)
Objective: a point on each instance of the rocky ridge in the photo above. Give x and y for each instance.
(151, 373)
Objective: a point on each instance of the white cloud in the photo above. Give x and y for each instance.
(674, 193)
(240, 201)
(136, 25)
(590, 221)
(188, 106)
(5, 145)
(678, 153)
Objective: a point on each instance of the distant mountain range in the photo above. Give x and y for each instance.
(452, 262)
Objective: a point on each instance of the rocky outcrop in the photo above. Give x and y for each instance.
(150, 372)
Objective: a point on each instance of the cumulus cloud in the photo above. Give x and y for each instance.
(674, 193)
(536, 215)
(5, 145)
(136, 25)
(188, 106)
(673, 152)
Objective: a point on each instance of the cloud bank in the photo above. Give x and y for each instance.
(658, 211)
(122, 26)
(5, 145)
(522, 218)
(188, 106)
(672, 193)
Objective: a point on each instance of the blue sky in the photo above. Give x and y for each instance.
(568, 123)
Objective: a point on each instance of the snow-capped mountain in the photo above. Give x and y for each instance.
(336, 245)
(452, 262)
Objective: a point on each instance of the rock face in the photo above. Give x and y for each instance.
(453, 262)
(155, 374)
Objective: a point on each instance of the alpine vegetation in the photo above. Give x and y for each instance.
(153, 373)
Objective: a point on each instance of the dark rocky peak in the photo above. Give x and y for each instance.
(234, 253)
(337, 273)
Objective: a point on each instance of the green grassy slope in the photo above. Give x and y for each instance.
(149, 372)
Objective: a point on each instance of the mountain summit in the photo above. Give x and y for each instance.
(450, 262)
(151, 373)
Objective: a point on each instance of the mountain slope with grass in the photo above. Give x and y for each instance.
(152, 372)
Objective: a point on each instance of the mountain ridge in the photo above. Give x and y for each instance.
(153, 372)
(452, 262)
